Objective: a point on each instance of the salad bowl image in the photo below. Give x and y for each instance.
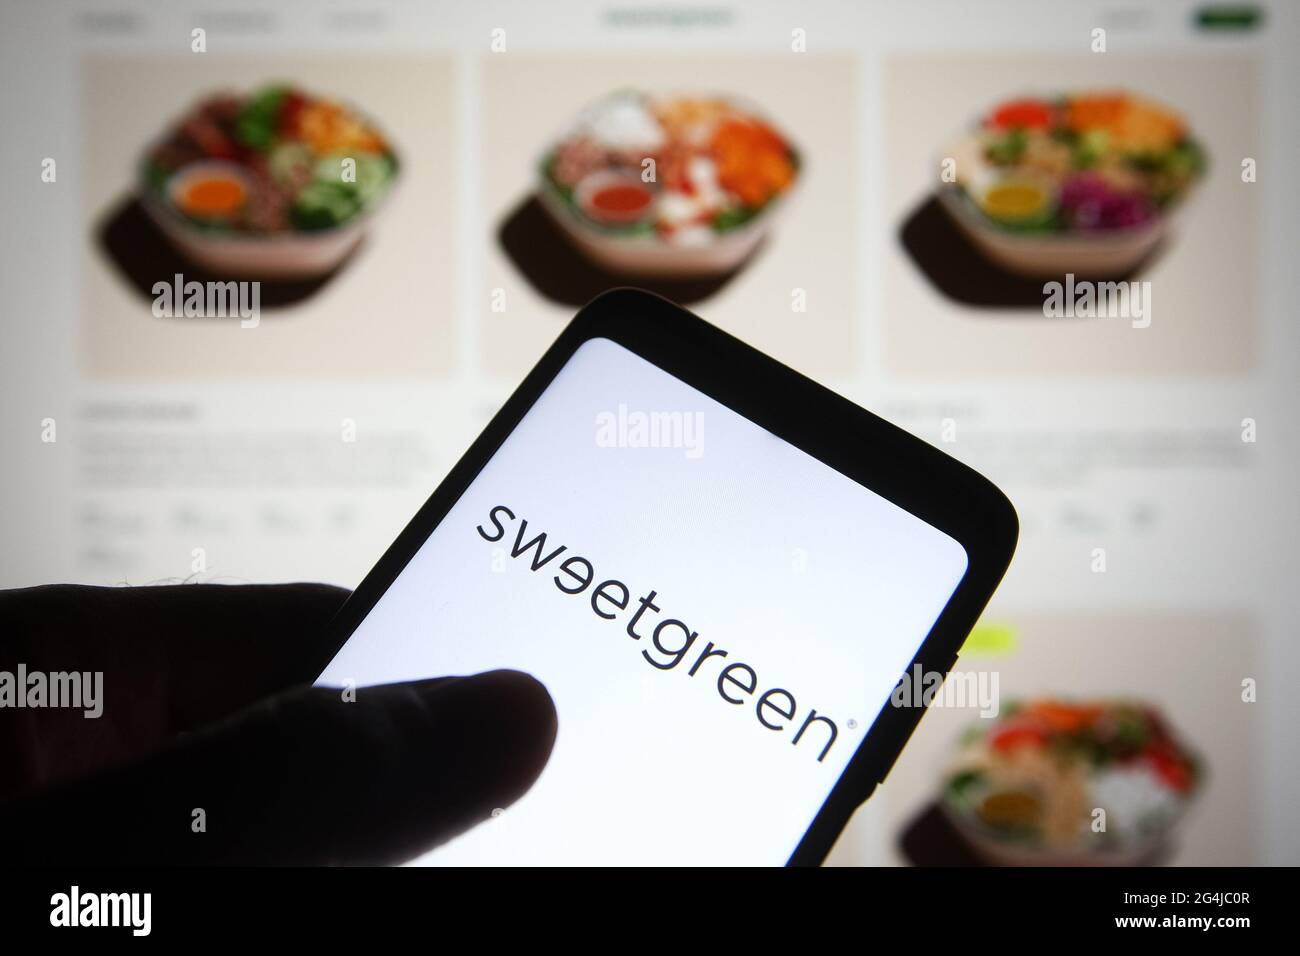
(1088, 183)
(277, 184)
(1070, 783)
(667, 186)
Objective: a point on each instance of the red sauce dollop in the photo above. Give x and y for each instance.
(620, 201)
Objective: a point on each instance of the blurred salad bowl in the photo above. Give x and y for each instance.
(1058, 783)
(667, 186)
(1087, 183)
(279, 184)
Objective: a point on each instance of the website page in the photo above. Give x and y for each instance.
(271, 267)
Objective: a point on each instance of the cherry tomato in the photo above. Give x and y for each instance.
(1022, 114)
(1172, 770)
(1018, 734)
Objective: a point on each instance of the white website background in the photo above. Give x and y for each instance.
(1117, 444)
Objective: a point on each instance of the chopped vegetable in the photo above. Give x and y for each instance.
(275, 161)
(1115, 161)
(1022, 114)
(1035, 776)
(716, 167)
(259, 119)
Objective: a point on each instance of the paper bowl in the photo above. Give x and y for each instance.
(289, 255)
(651, 256)
(1099, 253)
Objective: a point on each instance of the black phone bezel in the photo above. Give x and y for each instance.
(876, 454)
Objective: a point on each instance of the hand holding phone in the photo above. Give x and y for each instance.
(208, 746)
(719, 570)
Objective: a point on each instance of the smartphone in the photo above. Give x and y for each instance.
(719, 569)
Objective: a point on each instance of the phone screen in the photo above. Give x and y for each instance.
(718, 616)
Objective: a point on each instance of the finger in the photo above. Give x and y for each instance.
(171, 658)
(307, 778)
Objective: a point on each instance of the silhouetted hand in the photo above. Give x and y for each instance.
(206, 707)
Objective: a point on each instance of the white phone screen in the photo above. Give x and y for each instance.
(717, 615)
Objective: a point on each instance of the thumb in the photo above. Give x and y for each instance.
(307, 777)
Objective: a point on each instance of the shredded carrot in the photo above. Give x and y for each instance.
(1133, 123)
(753, 160)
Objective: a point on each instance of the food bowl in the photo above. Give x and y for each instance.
(278, 184)
(1056, 783)
(1112, 172)
(667, 186)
